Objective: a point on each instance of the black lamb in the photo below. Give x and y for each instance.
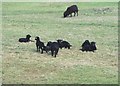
(47, 48)
(27, 39)
(93, 46)
(63, 44)
(88, 46)
(53, 47)
(39, 44)
(70, 10)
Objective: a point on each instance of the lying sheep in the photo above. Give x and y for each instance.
(88, 46)
(93, 46)
(86, 43)
(27, 39)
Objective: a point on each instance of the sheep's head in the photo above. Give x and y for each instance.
(49, 43)
(59, 40)
(37, 38)
(87, 41)
(28, 36)
(93, 43)
(65, 14)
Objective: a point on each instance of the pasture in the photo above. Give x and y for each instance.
(96, 22)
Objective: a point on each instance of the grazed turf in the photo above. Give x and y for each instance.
(21, 62)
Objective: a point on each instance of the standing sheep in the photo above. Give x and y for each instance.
(53, 47)
(39, 44)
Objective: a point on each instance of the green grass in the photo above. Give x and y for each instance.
(21, 62)
(62, 0)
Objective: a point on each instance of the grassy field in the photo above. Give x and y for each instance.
(23, 65)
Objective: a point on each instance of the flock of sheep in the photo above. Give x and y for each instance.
(59, 44)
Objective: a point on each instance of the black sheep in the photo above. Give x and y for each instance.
(47, 48)
(54, 48)
(49, 43)
(66, 44)
(86, 46)
(39, 44)
(86, 43)
(70, 10)
(63, 44)
(93, 46)
(27, 39)
(59, 42)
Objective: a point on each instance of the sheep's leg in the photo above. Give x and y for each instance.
(71, 15)
(60, 47)
(46, 51)
(41, 51)
(74, 13)
(52, 52)
(56, 52)
(68, 47)
(77, 13)
(37, 48)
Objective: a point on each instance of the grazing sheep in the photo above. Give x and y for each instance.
(27, 39)
(39, 44)
(70, 10)
(64, 44)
